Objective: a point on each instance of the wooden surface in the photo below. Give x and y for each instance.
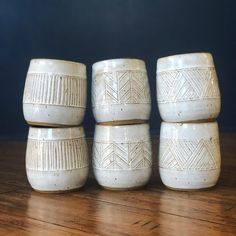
(153, 210)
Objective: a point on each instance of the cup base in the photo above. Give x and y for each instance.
(57, 191)
(122, 112)
(189, 180)
(122, 179)
(190, 189)
(57, 181)
(197, 121)
(190, 111)
(47, 124)
(50, 115)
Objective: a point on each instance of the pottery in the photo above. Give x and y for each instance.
(56, 159)
(187, 88)
(55, 93)
(189, 155)
(122, 156)
(120, 91)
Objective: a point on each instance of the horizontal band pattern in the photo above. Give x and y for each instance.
(187, 85)
(122, 156)
(120, 87)
(180, 154)
(55, 89)
(57, 155)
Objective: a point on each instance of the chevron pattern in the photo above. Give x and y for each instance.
(52, 155)
(120, 87)
(53, 89)
(189, 155)
(122, 156)
(187, 85)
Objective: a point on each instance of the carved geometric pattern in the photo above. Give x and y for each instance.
(53, 155)
(187, 85)
(54, 89)
(120, 87)
(189, 155)
(122, 156)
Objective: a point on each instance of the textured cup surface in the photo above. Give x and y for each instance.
(189, 155)
(120, 91)
(122, 156)
(187, 88)
(57, 158)
(55, 93)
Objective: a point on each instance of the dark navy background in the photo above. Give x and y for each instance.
(93, 30)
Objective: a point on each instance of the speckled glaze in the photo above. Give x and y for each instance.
(122, 156)
(56, 159)
(120, 91)
(189, 155)
(187, 88)
(55, 93)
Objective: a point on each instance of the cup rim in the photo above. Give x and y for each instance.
(111, 62)
(185, 60)
(179, 124)
(122, 133)
(189, 131)
(185, 54)
(58, 60)
(43, 133)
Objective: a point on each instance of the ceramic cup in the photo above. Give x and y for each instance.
(55, 93)
(120, 91)
(122, 156)
(189, 155)
(187, 88)
(56, 159)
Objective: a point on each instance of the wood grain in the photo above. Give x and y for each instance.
(92, 210)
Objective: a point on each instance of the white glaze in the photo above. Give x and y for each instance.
(122, 156)
(187, 88)
(120, 90)
(55, 93)
(57, 158)
(184, 61)
(189, 155)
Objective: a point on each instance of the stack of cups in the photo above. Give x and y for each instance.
(122, 156)
(54, 104)
(189, 103)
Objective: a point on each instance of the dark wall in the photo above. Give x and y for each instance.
(93, 30)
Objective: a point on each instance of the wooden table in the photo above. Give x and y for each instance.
(153, 210)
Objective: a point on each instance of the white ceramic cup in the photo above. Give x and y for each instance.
(187, 88)
(57, 159)
(55, 93)
(122, 156)
(120, 91)
(189, 155)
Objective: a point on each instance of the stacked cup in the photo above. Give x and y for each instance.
(122, 156)
(54, 104)
(189, 102)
